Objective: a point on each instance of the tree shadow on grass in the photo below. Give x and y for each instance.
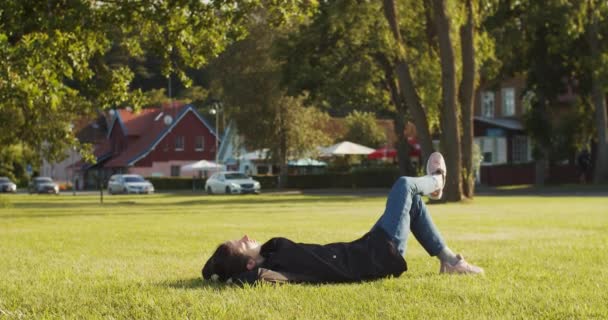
(229, 200)
(195, 284)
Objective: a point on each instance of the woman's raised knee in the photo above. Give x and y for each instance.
(403, 181)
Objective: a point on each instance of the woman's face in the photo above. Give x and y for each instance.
(246, 246)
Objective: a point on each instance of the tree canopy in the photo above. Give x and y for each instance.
(55, 67)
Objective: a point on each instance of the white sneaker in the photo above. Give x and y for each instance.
(436, 166)
(460, 267)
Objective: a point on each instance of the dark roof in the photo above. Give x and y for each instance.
(506, 123)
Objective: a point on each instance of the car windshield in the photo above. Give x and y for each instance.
(134, 179)
(43, 180)
(4, 180)
(234, 176)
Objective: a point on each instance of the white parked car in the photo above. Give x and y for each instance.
(129, 183)
(43, 185)
(6, 185)
(230, 182)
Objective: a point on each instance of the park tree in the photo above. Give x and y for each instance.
(558, 50)
(441, 20)
(362, 127)
(54, 68)
(345, 57)
(248, 81)
(595, 33)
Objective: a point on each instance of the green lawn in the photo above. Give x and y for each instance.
(140, 257)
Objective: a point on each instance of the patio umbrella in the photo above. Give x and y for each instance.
(202, 165)
(345, 148)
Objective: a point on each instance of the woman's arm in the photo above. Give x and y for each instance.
(267, 275)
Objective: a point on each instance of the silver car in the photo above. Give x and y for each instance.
(6, 185)
(129, 183)
(230, 182)
(43, 185)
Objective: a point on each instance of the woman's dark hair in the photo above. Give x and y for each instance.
(226, 262)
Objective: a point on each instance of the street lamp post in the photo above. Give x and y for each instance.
(215, 110)
(73, 171)
(73, 168)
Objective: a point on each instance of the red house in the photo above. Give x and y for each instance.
(153, 142)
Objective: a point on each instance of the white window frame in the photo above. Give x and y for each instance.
(178, 169)
(488, 104)
(177, 144)
(198, 139)
(496, 147)
(508, 102)
(518, 141)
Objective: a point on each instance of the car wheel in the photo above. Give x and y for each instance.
(209, 191)
(125, 191)
(228, 190)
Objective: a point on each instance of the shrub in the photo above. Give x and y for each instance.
(176, 183)
(267, 182)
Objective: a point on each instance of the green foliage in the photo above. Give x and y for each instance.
(561, 130)
(63, 60)
(249, 83)
(335, 58)
(140, 257)
(546, 42)
(13, 161)
(303, 127)
(362, 128)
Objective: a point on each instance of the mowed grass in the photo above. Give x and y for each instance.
(140, 257)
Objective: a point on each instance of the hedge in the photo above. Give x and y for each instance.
(360, 178)
(175, 183)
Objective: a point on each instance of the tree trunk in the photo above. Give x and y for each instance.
(450, 126)
(600, 173)
(467, 98)
(282, 149)
(406, 85)
(403, 148)
(540, 168)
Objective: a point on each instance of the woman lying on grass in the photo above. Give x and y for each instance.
(378, 254)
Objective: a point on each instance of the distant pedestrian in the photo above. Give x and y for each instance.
(583, 163)
(377, 254)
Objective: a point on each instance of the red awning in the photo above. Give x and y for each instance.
(386, 152)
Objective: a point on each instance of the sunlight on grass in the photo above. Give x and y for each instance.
(140, 257)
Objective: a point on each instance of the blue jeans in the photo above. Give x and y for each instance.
(405, 211)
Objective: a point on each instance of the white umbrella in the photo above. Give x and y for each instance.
(345, 147)
(202, 165)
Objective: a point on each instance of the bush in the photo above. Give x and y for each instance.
(267, 182)
(377, 177)
(176, 183)
(360, 178)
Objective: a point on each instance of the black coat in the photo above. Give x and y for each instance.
(372, 256)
